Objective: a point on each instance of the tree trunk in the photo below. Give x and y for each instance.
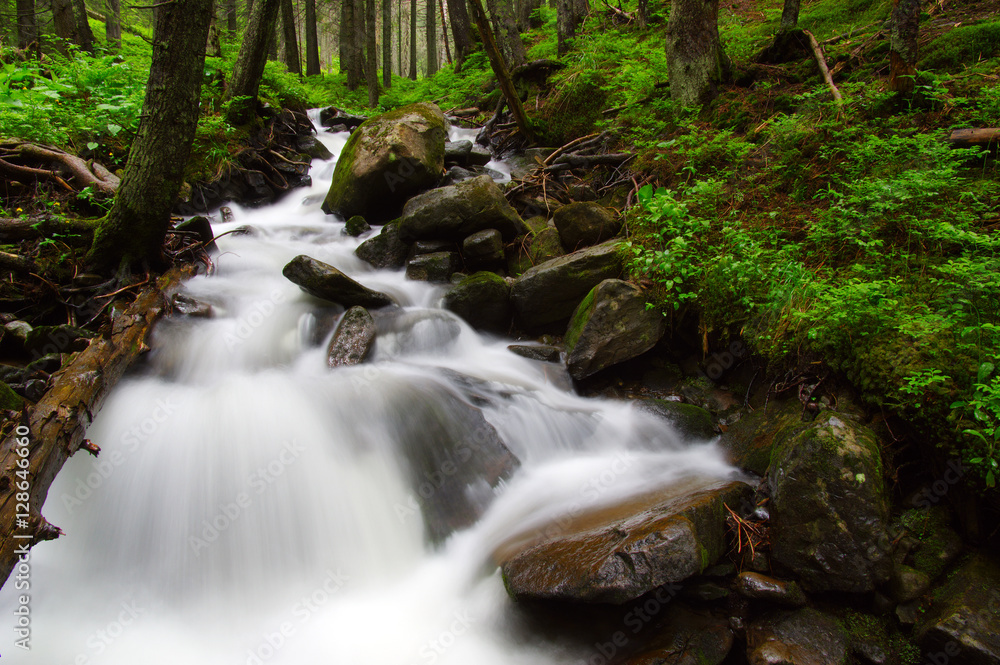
(903, 45)
(134, 229)
(358, 42)
(85, 36)
(461, 30)
(312, 40)
(387, 43)
(432, 47)
(413, 40)
(789, 16)
(63, 21)
(399, 37)
(581, 10)
(505, 29)
(249, 65)
(231, 26)
(642, 13)
(113, 23)
(695, 59)
(27, 25)
(444, 32)
(290, 56)
(213, 48)
(344, 45)
(527, 16)
(372, 60)
(565, 25)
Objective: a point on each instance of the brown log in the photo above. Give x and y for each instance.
(967, 138)
(13, 228)
(51, 431)
(569, 146)
(15, 263)
(567, 162)
(824, 70)
(77, 166)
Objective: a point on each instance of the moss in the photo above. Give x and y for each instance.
(579, 320)
(9, 400)
(962, 46)
(868, 629)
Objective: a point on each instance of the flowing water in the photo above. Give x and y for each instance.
(251, 505)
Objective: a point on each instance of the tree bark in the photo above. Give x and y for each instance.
(358, 42)
(63, 21)
(312, 40)
(399, 37)
(213, 47)
(345, 41)
(444, 32)
(134, 229)
(413, 40)
(565, 25)
(432, 47)
(372, 61)
(695, 59)
(85, 36)
(789, 16)
(290, 55)
(387, 43)
(230, 9)
(903, 45)
(249, 66)
(54, 429)
(527, 18)
(113, 23)
(461, 30)
(27, 24)
(505, 28)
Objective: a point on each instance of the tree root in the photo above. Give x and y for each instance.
(59, 166)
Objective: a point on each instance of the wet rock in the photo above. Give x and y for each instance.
(356, 225)
(690, 421)
(483, 300)
(201, 226)
(483, 250)
(761, 587)
(313, 147)
(931, 544)
(331, 117)
(384, 250)
(542, 352)
(829, 508)
(390, 158)
(687, 637)
(353, 338)
(433, 267)
(582, 224)
(963, 621)
(323, 281)
(9, 400)
(548, 293)
(18, 330)
(612, 324)
(457, 211)
(705, 591)
(749, 442)
(800, 637)
(455, 175)
(906, 583)
(620, 553)
(457, 152)
(479, 156)
(188, 306)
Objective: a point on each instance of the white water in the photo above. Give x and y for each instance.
(317, 555)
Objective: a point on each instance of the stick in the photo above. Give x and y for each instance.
(824, 70)
(568, 146)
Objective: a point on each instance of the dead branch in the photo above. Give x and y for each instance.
(15, 263)
(824, 70)
(566, 162)
(77, 167)
(13, 229)
(966, 138)
(569, 146)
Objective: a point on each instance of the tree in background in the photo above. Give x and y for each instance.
(387, 43)
(432, 48)
(565, 25)
(695, 59)
(507, 34)
(290, 52)
(113, 23)
(312, 40)
(372, 70)
(461, 30)
(249, 66)
(789, 16)
(358, 43)
(413, 40)
(27, 26)
(84, 35)
(137, 223)
(903, 45)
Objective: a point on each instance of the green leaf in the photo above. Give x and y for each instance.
(991, 480)
(113, 129)
(985, 370)
(91, 146)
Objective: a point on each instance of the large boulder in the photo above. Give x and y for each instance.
(685, 637)
(618, 553)
(548, 293)
(611, 325)
(483, 300)
(457, 211)
(800, 637)
(433, 266)
(749, 441)
(690, 421)
(582, 224)
(388, 159)
(327, 283)
(964, 622)
(353, 338)
(829, 507)
(384, 250)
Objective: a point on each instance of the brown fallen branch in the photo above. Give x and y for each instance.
(615, 11)
(567, 162)
(50, 432)
(101, 179)
(13, 228)
(824, 70)
(17, 264)
(569, 146)
(967, 138)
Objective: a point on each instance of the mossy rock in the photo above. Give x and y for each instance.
(964, 45)
(9, 400)
(690, 421)
(749, 442)
(457, 211)
(356, 225)
(483, 300)
(384, 250)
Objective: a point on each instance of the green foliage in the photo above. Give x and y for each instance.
(963, 46)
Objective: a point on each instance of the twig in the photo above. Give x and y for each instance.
(824, 70)
(568, 146)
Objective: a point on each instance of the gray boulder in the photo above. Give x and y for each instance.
(483, 300)
(611, 325)
(353, 338)
(483, 249)
(548, 293)
(388, 159)
(800, 637)
(384, 250)
(356, 225)
(457, 152)
(690, 421)
(433, 267)
(458, 211)
(326, 282)
(583, 224)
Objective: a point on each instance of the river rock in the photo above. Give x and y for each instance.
(203, 227)
(356, 225)
(433, 267)
(545, 246)
(390, 158)
(542, 352)
(800, 637)
(548, 293)
(829, 508)
(189, 306)
(616, 554)
(483, 249)
(690, 421)
(687, 637)
(761, 587)
(457, 152)
(457, 211)
(331, 117)
(963, 622)
(454, 457)
(582, 224)
(749, 442)
(327, 283)
(906, 583)
(479, 156)
(611, 325)
(384, 250)
(353, 338)
(483, 300)
(313, 147)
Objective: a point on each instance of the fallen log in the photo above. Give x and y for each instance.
(51, 431)
(14, 228)
(968, 138)
(566, 162)
(823, 69)
(102, 180)
(15, 263)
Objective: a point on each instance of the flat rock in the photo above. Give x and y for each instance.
(457, 211)
(761, 587)
(327, 283)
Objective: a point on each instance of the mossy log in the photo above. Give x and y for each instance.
(13, 229)
(57, 423)
(967, 138)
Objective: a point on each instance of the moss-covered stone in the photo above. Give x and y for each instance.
(483, 300)
(582, 224)
(384, 250)
(356, 225)
(9, 400)
(690, 421)
(749, 441)
(457, 211)
(433, 267)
